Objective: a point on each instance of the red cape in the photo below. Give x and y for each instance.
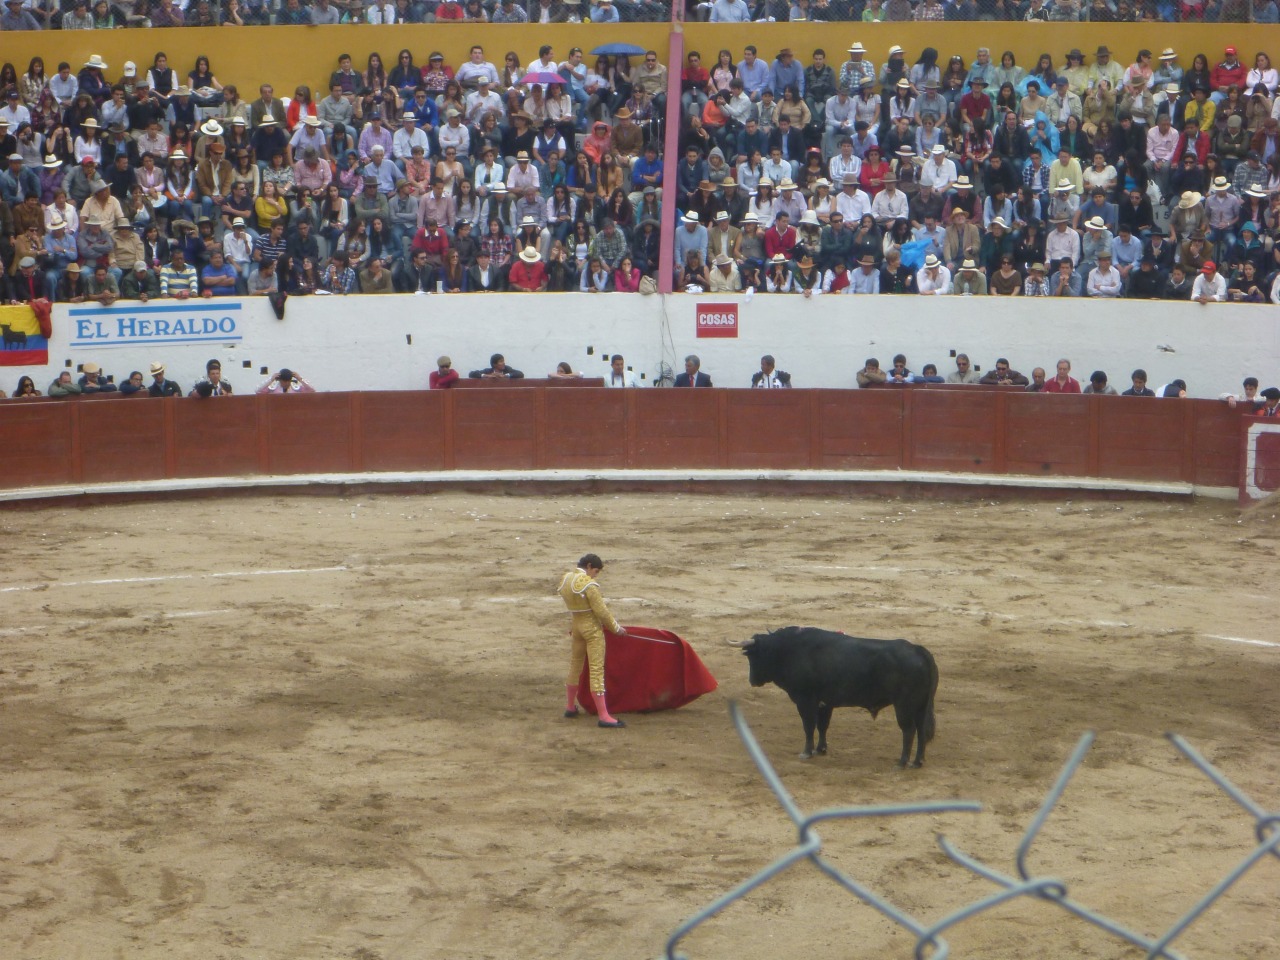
(649, 670)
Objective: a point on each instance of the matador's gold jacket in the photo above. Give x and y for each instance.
(582, 596)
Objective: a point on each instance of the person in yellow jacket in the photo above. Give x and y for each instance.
(588, 619)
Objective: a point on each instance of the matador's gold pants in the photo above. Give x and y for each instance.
(588, 644)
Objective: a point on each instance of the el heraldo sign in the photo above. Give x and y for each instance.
(717, 320)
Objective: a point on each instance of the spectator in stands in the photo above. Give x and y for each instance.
(1063, 382)
(1209, 285)
(284, 382)
(93, 380)
(1098, 384)
(497, 370)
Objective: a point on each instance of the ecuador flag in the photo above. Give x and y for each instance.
(24, 344)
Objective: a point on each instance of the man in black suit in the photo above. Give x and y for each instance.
(768, 376)
(691, 377)
(415, 276)
(790, 142)
(497, 370)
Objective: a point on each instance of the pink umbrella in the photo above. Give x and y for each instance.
(542, 76)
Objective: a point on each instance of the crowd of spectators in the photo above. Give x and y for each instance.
(1047, 11)
(145, 182)
(117, 14)
(1085, 175)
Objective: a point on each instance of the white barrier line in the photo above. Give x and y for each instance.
(27, 587)
(1255, 643)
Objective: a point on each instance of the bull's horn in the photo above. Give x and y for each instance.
(741, 643)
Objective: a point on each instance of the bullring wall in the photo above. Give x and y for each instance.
(956, 429)
(391, 342)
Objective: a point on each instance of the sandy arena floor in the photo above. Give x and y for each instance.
(288, 728)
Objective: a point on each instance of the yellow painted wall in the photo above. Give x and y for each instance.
(287, 56)
(1026, 40)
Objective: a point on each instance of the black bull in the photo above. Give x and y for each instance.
(821, 670)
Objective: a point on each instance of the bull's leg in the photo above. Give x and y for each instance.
(920, 738)
(809, 717)
(824, 721)
(908, 727)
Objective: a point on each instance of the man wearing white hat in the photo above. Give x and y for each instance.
(722, 236)
(1168, 72)
(60, 245)
(407, 137)
(1222, 208)
(309, 134)
(1096, 241)
(939, 171)
(161, 386)
(93, 380)
(724, 277)
(933, 279)
(237, 248)
(690, 235)
(855, 69)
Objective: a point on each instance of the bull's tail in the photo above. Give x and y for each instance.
(928, 728)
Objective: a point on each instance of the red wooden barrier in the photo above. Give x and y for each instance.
(967, 430)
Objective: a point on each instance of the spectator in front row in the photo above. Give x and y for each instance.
(497, 370)
(286, 381)
(1063, 382)
(443, 376)
(160, 385)
(1098, 384)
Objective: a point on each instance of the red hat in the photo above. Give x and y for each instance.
(88, 160)
(1209, 267)
(1231, 51)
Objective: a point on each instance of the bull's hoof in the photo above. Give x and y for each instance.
(917, 765)
(902, 764)
(821, 750)
(806, 755)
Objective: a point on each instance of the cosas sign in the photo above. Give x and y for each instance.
(717, 320)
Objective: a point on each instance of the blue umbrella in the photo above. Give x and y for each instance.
(617, 50)
(542, 76)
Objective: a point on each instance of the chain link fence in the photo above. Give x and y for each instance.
(930, 941)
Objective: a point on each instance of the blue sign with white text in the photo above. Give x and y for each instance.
(143, 324)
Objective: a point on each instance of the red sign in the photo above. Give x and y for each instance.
(717, 320)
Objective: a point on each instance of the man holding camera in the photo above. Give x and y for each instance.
(286, 381)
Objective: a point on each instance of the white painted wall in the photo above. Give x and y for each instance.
(391, 342)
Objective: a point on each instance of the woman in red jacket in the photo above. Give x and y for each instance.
(626, 279)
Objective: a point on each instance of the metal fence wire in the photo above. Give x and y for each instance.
(929, 940)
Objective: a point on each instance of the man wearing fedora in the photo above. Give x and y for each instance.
(161, 386)
(94, 381)
(724, 276)
(933, 279)
(857, 68)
